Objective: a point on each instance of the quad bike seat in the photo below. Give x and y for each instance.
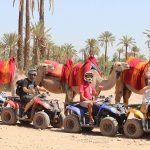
(72, 103)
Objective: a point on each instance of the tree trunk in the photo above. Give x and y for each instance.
(119, 56)
(105, 56)
(11, 52)
(27, 37)
(42, 43)
(36, 52)
(126, 47)
(20, 38)
(48, 53)
(85, 56)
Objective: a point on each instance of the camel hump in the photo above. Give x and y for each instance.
(7, 70)
(135, 76)
(53, 63)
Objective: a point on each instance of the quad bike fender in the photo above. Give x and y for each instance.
(11, 104)
(76, 110)
(109, 109)
(137, 113)
(40, 103)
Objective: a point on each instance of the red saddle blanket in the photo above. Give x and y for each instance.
(7, 69)
(76, 77)
(70, 73)
(135, 76)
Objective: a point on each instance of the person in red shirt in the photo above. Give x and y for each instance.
(87, 91)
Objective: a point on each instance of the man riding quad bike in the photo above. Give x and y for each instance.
(30, 107)
(43, 112)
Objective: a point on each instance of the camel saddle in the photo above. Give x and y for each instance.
(72, 74)
(7, 69)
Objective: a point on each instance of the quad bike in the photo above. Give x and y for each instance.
(3, 96)
(43, 112)
(135, 127)
(108, 117)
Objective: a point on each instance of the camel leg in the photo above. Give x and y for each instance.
(70, 94)
(118, 90)
(126, 95)
(1, 88)
(13, 88)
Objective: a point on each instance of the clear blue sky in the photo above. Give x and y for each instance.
(74, 21)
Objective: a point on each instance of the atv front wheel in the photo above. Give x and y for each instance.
(133, 128)
(8, 116)
(71, 124)
(41, 120)
(109, 126)
(58, 122)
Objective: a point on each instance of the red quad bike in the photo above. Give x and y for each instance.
(43, 112)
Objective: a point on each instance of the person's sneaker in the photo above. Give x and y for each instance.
(24, 116)
(91, 122)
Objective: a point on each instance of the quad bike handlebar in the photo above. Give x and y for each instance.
(104, 99)
(42, 95)
(38, 94)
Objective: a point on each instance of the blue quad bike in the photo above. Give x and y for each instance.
(108, 117)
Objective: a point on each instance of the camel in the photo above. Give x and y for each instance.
(9, 77)
(54, 84)
(134, 80)
(12, 85)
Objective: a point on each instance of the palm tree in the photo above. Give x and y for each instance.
(115, 57)
(135, 50)
(147, 33)
(119, 50)
(20, 34)
(59, 54)
(69, 50)
(9, 44)
(27, 37)
(101, 63)
(83, 53)
(126, 42)
(50, 49)
(38, 34)
(92, 47)
(105, 39)
(41, 19)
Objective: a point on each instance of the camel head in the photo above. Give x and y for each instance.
(42, 70)
(120, 66)
(116, 69)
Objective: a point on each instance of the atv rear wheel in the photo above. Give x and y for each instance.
(71, 124)
(133, 128)
(109, 126)
(8, 116)
(58, 122)
(41, 120)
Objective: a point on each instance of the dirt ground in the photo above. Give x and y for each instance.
(26, 137)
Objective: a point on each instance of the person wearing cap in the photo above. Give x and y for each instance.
(29, 88)
(87, 91)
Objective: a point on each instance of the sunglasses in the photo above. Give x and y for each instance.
(33, 74)
(89, 76)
